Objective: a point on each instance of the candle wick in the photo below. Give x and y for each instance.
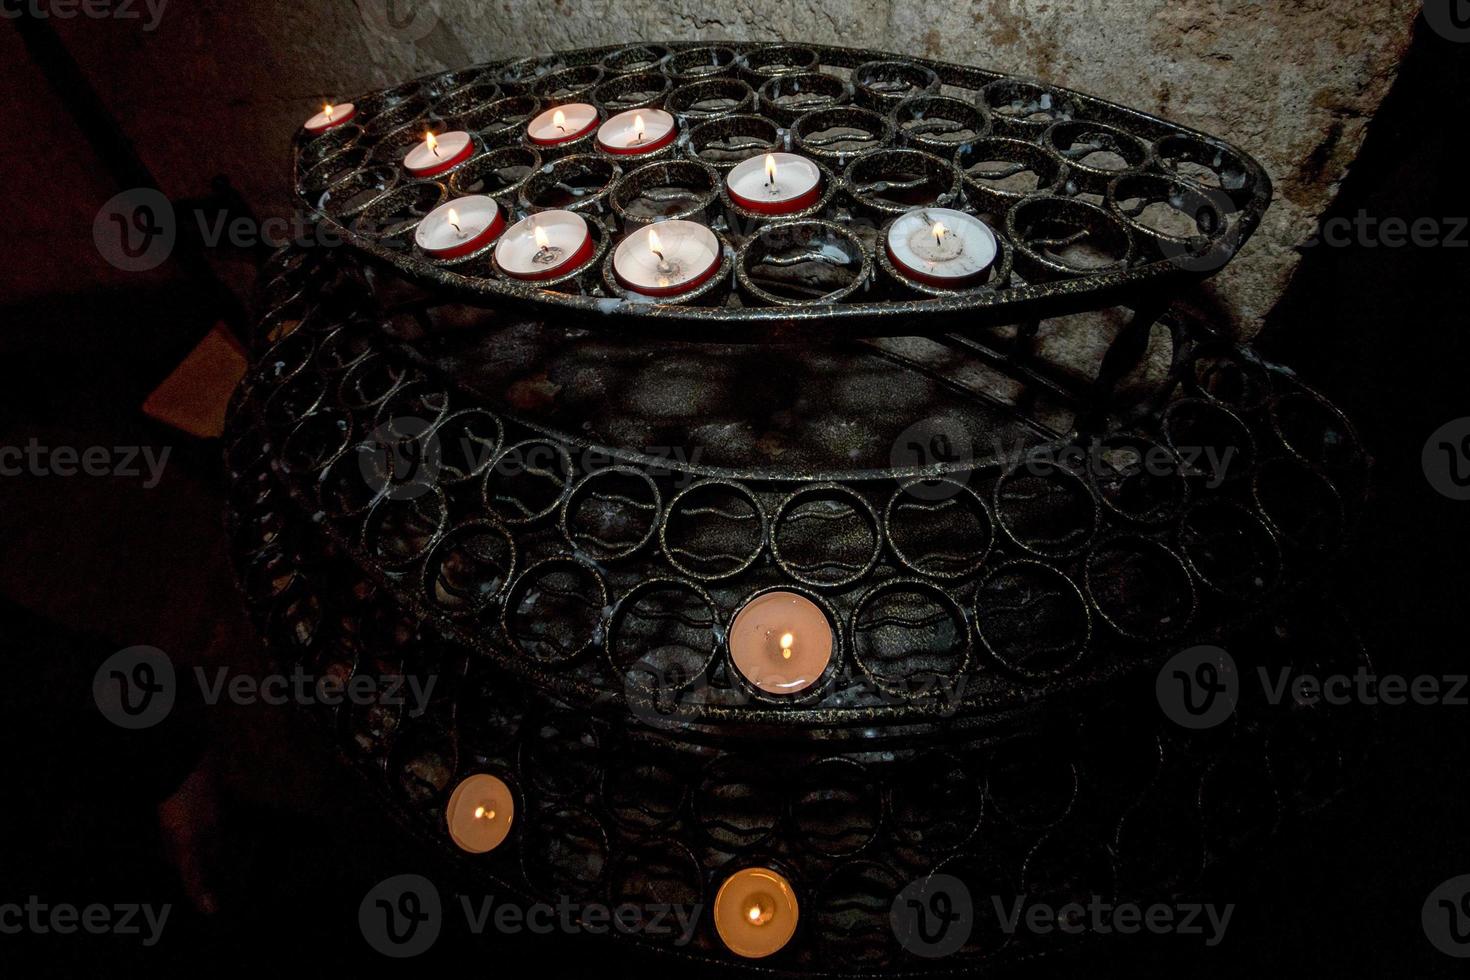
(457, 227)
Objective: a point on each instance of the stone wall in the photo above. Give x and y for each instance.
(218, 88)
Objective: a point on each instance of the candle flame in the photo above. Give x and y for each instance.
(939, 231)
(327, 111)
(638, 129)
(539, 234)
(559, 119)
(754, 914)
(431, 142)
(771, 169)
(483, 814)
(454, 218)
(787, 640)
(654, 245)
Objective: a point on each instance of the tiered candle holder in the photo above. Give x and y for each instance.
(881, 609)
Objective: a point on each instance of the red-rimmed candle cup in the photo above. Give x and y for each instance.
(636, 132)
(330, 117)
(439, 154)
(775, 183)
(562, 124)
(460, 227)
(666, 258)
(941, 247)
(546, 245)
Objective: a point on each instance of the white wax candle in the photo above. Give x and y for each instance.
(439, 154)
(562, 124)
(637, 131)
(461, 227)
(941, 246)
(544, 245)
(775, 183)
(330, 117)
(667, 258)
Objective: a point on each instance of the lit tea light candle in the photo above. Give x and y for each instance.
(775, 183)
(637, 131)
(462, 227)
(330, 117)
(545, 245)
(480, 813)
(439, 154)
(756, 912)
(667, 258)
(941, 246)
(781, 642)
(562, 124)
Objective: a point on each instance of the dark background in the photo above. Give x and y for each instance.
(244, 813)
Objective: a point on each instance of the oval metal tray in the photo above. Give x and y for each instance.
(1094, 204)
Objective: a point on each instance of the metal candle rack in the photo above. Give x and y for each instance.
(988, 713)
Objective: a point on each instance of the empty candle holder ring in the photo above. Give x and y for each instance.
(997, 276)
(939, 124)
(467, 99)
(664, 190)
(708, 293)
(582, 182)
(350, 195)
(1207, 163)
(758, 64)
(1173, 218)
(907, 633)
(1064, 237)
(787, 97)
(392, 217)
(1024, 109)
(881, 85)
(750, 217)
(638, 91)
(999, 171)
(334, 167)
(662, 674)
(802, 263)
(373, 104)
(1095, 154)
(635, 59)
(568, 84)
(440, 85)
(525, 71)
(739, 661)
(395, 116)
(696, 64)
(826, 536)
(891, 182)
(502, 122)
(583, 273)
(710, 99)
(835, 136)
(499, 173)
(722, 143)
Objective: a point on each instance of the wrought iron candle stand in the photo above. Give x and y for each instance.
(1003, 578)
